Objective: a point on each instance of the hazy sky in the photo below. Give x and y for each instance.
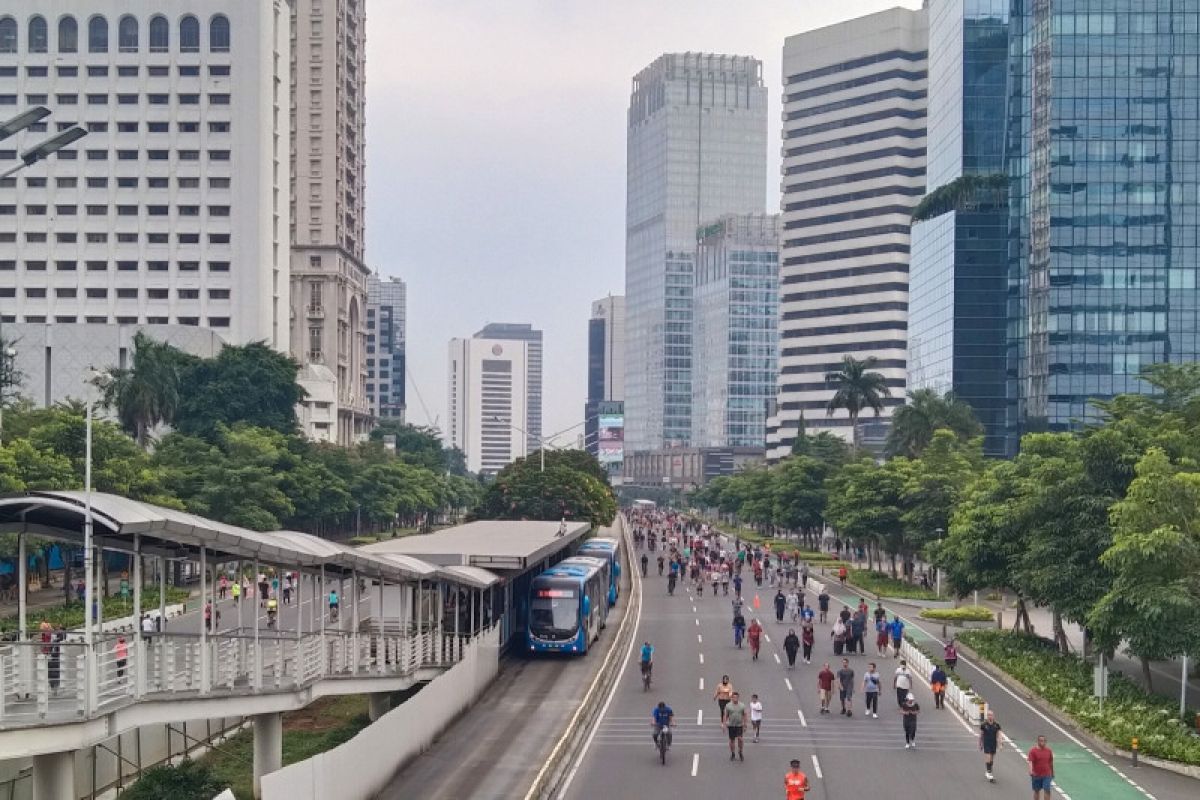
(496, 159)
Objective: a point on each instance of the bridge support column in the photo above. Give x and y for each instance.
(379, 703)
(54, 776)
(268, 747)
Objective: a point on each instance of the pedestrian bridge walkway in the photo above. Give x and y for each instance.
(403, 621)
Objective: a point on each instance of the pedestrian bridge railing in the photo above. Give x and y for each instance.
(65, 681)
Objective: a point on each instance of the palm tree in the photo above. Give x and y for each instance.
(927, 411)
(147, 394)
(859, 388)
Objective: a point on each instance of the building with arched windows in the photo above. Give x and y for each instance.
(173, 209)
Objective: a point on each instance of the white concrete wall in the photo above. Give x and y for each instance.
(361, 767)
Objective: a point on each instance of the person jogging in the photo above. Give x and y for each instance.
(723, 694)
(871, 683)
(825, 687)
(909, 711)
(989, 743)
(845, 677)
(733, 719)
(902, 682)
(756, 715)
(795, 782)
(1041, 768)
(791, 646)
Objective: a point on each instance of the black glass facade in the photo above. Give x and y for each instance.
(1104, 152)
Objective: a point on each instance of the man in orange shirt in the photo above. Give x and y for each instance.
(795, 782)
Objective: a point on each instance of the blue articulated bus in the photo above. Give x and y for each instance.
(598, 562)
(611, 549)
(567, 608)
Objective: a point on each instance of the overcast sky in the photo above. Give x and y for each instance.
(496, 159)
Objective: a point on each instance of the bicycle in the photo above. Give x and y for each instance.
(663, 743)
(646, 670)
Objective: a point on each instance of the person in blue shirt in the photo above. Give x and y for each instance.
(647, 658)
(662, 717)
(897, 635)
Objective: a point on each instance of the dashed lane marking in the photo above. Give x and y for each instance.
(699, 638)
(788, 684)
(803, 721)
(700, 717)
(817, 767)
(777, 661)
(702, 658)
(702, 684)
(695, 764)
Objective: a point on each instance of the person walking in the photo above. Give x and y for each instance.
(825, 686)
(756, 715)
(723, 694)
(791, 645)
(937, 683)
(858, 630)
(780, 604)
(989, 743)
(754, 635)
(839, 635)
(902, 682)
(733, 719)
(882, 631)
(909, 711)
(871, 683)
(1041, 768)
(845, 677)
(950, 654)
(795, 782)
(807, 637)
(804, 575)
(823, 603)
(794, 602)
(121, 652)
(897, 631)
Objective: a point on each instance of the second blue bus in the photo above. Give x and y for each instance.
(610, 549)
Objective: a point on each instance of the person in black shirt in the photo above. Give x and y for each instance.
(910, 710)
(791, 644)
(989, 742)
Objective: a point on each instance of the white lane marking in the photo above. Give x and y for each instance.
(788, 683)
(697, 623)
(695, 764)
(693, 609)
(702, 684)
(702, 658)
(803, 721)
(768, 638)
(699, 638)
(700, 718)
(777, 661)
(817, 766)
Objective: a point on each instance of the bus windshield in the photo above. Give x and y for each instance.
(554, 609)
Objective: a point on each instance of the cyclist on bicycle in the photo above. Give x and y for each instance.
(647, 659)
(333, 603)
(272, 611)
(662, 719)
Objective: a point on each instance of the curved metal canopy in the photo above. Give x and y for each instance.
(179, 534)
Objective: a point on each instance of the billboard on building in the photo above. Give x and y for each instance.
(611, 430)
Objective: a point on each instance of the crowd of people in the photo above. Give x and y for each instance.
(689, 552)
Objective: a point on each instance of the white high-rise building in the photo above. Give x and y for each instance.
(697, 149)
(606, 349)
(487, 399)
(521, 332)
(386, 332)
(853, 168)
(173, 209)
(328, 271)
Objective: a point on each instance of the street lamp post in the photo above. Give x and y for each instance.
(47, 148)
(543, 441)
(6, 359)
(98, 380)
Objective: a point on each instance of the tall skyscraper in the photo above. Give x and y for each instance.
(958, 277)
(488, 398)
(606, 379)
(853, 168)
(172, 210)
(697, 149)
(518, 332)
(386, 336)
(735, 343)
(329, 273)
(1105, 179)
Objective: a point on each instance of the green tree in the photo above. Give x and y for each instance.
(914, 423)
(932, 486)
(250, 384)
(857, 388)
(826, 447)
(1155, 564)
(865, 505)
(147, 394)
(800, 495)
(523, 491)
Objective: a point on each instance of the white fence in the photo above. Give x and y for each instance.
(968, 704)
(361, 767)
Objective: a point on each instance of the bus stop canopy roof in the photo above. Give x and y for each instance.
(491, 544)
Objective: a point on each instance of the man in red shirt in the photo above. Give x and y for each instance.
(795, 782)
(825, 686)
(1041, 768)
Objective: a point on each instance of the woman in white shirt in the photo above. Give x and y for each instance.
(756, 715)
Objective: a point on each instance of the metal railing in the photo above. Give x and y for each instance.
(56, 681)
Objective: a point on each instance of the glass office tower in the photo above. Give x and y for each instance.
(1104, 152)
(958, 274)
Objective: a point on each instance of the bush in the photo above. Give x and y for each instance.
(1066, 682)
(70, 616)
(191, 780)
(885, 585)
(963, 614)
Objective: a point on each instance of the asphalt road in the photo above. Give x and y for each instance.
(845, 758)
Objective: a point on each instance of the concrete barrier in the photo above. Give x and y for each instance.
(362, 767)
